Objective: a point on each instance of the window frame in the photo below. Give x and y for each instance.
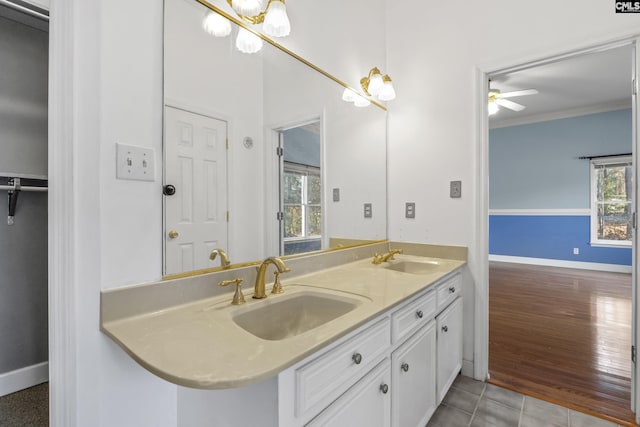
(304, 171)
(593, 167)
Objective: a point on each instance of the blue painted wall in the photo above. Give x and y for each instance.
(535, 167)
(550, 237)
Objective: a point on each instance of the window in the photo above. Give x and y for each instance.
(302, 194)
(611, 207)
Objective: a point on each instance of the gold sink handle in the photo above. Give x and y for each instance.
(238, 297)
(277, 286)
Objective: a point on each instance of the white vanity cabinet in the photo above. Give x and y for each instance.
(368, 403)
(391, 372)
(413, 372)
(449, 338)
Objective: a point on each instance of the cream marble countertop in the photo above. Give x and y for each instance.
(198, 345)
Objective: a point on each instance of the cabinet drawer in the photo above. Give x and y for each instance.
(448, 291)
(331, 374)
(412, 316)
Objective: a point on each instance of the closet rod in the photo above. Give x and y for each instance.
(25, 9)
(23, 188)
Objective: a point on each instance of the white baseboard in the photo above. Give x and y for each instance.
(614, 268)
(17, 380)
(467, 368)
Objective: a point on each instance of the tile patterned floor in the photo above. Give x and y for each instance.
(471, 403)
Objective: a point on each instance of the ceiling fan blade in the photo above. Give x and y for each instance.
(510, 104)
(518, 93)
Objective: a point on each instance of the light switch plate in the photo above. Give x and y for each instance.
(455, 189)
(368, 210)
(336, 194)
(135, 163)
(410, 210)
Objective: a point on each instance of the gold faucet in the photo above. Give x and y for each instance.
(258, 291)
(224, 259)
(379, 259)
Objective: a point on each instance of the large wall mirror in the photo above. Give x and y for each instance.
(262, 156)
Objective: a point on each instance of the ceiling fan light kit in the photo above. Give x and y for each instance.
(498, 99)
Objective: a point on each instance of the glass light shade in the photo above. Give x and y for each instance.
(361, 101)
(375, 84)
(247, 42)
(493, 108)
(348, 95)
(387, 93)
(216, 25)
(276, 21)
(247, 7)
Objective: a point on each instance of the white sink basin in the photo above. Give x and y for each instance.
(414, 267)
(288, 315)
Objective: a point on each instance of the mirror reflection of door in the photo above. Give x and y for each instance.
(300, 217)
(196, 165)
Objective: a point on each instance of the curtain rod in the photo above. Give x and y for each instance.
(603, 156)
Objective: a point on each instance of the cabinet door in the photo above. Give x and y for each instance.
(367, 403)
(413, 377)
(449, 344)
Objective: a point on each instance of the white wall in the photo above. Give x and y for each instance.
(433, 49)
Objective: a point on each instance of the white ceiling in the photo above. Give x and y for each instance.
(588, 83)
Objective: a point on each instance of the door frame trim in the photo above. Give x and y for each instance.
(481, 315)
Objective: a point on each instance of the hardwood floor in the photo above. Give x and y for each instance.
(562, 335)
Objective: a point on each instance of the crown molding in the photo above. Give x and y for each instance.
(562, 114)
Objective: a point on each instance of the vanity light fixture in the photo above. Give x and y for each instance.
(274, 20)
(375, 87)
(378, 86)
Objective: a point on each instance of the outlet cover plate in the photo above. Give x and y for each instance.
(135, 163)
(410, 210)
(368, 210)
(336, 194)
(455, 189)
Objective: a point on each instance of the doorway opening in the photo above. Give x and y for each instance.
(300, 215)
(24, 353)
(561, 243)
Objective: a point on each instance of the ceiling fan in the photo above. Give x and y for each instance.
(498, 99)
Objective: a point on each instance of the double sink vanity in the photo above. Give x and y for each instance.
(348, 342)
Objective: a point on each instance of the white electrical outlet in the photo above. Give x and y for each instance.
(136, 163)
(576, 251)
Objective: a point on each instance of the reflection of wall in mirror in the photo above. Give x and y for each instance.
(354, 153)
(208, 75)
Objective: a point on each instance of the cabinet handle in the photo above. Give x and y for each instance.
(384, 388)
(445, 328)
(405, 367)
(419, 314)
(452, 290)
(357, 358)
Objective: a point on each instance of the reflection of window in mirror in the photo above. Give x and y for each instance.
(301, 190)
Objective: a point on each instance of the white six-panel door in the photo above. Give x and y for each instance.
(196, 165)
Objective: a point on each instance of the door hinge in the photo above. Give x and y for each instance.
(633, 354)
(227, 143)
(634, 221)
(279, 216)
(634, 87)
(228, 215)
(280, 151)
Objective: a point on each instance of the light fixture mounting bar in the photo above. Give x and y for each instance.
(282, 48)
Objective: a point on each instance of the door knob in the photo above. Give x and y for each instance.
(173, 234)
(169, 190)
